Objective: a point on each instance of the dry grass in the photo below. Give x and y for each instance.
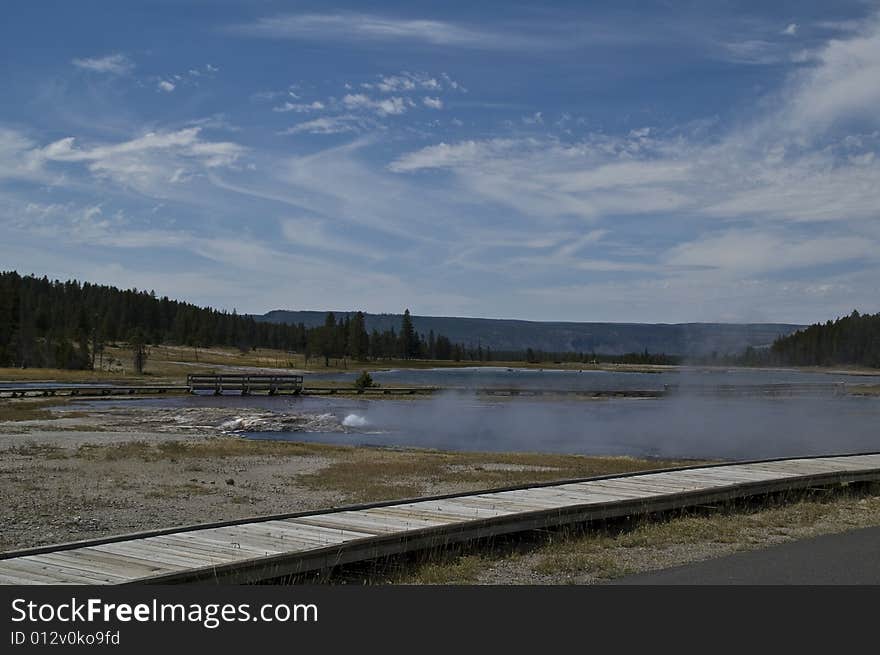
(864, 390)
(221, 448)
(458, 570)
(609, 552)
(58, 375)
(30, 410)
(359, 475)
(181, 490)
(171, 364)
(367, 475)
(38, 451)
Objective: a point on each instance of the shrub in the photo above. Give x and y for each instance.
(363, 381)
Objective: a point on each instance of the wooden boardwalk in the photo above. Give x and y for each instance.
(294, 385)
(91, 390)
(269, 547)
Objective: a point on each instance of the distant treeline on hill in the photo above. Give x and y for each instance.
(54, 324)
(851, 340)
(45, 323)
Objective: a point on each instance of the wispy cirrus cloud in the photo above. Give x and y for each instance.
(360, 27)
(786, 164)
(755, 251)
(843, 85)
(299, 107)
(327, 125)
(114, 64)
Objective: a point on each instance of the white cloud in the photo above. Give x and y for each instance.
(842, 86)
(299, 107)
(790, 30)
(407, 81)
(366, 27)
(146, 162)
(627, 174)
(115, 64)
(326, 125)
(17, 159)
(433, 103)
(445, 155)
(755, 252)
(546, 178)
(166, 86)
(394, 83)
(383, 106)
(784, 165)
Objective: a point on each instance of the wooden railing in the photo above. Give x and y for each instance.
(246, 384)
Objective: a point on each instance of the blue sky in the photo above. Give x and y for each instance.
(651, 162)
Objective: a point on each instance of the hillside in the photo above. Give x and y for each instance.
(688, 339)
(850, 340)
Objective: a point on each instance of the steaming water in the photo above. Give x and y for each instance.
(685, 425)
(354, 421)
(591, 379)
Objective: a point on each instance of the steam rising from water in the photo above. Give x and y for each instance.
(354, 421)
(678, 426)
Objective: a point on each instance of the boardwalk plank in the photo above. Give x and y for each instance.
(199, 542)
(60, 574)
(148, 553)
(90, 563)
(470, 506)
(355, 521)
(271, 541)
(324, 532)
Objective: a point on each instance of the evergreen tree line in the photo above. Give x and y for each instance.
(852, 340)
(55, 324)
(348, 338)
(536, 356)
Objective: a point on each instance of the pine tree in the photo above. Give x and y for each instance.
(409, 341)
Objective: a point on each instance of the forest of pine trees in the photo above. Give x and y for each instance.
(852, 340)
(52, 324)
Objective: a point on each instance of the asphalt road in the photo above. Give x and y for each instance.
(849, 558)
